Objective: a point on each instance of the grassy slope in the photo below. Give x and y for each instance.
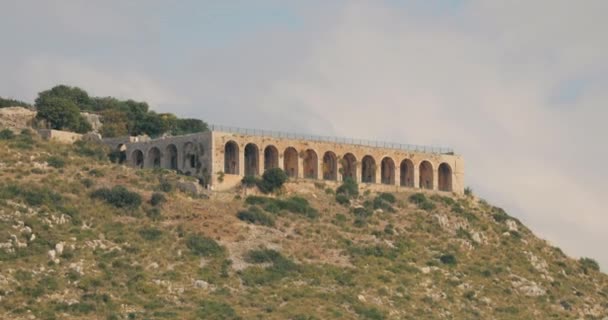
(121, 264)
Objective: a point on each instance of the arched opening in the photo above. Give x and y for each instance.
(330, 166)
(290, 162)
(252, 159)
(121, 155)
(368, 169)
(271, 157)
(311, 164)
(387, 171)
(154, 158)
(426, 175)
(445, 177)
(349, 166)
(171, 159)
(137, 158)
(406, 171)
(231, 158)
(190, 156)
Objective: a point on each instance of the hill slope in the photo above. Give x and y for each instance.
(69, 251)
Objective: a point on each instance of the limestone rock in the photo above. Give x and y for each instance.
(201, 284)
(16, 118)
(94, 120)
(189, 187)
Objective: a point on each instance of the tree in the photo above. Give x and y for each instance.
(13, 103)
(115, 123)
(61, 114)
(79, 97)
(185, 126)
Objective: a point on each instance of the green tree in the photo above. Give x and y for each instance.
(186, 126)
(59, 113)
(77, 96)
(13, 103)
(115, 123)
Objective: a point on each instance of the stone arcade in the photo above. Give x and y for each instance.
(222, 156)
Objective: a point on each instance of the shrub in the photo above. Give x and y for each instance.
(150, 234)
(448, 259)
(91, 149)
(157, 199)
(165, 186)
(6, 134)
(203, 246)
(388, 197)
(468, 191)
(250, 181)
(589, 264)
(281, 267)
(349, 188)
(263, 256)
(56, 162)
(296, 205)
(87, 183)
(272, 180)
(256, 216)
(420, 200)
(118, 196)
(213, 310)
(370, 313)
(380, 203)
(342, 199)
(153, 213)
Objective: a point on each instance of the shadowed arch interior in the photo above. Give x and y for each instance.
(368, 169)
(137, 158)
(330, 166)
(252, 160)
(231, 158)
(190, 156)
(387, 171)
(349, 166)
(445, 177)
(311, 164)
(290, 162)
(426, 175)
(154, 157)
(406, 171)
(271, 157)
(171, 157)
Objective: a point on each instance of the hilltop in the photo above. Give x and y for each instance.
(82, 238)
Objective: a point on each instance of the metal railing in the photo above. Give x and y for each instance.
(352, 141)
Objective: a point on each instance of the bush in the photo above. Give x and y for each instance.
(342, 199)
(6, 134)
(589, 264)
(91, 149)
(256, 216)
(56, 162)
(150, 234)
(296, 205)
(165, 186)
(212, 310)
(388, 197)
(468, 191)
(203, 246)
(448, 259)
(250, 181)
(153, 213)
(281, 267)
(118, 196)
(157, 199)
(263, 256)
(420, 200)
(272, 180)
(349, 188)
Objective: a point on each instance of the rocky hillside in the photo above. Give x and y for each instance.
(81, 238)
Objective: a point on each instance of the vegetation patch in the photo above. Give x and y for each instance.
(256, 215)
(203, 246)
(422, 202)
(118, 196)
(280, 267)
(296, 205)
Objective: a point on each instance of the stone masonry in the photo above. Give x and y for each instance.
(221, 158)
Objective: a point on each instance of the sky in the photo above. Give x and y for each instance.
(519, 88)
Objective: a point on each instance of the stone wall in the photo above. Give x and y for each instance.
(221, 159)
(59, 136)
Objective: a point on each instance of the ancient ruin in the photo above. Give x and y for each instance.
(221, 157)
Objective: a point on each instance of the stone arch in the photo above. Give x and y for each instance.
(190, 156)
(406, 170)
(137, 158)
(154, 157)
(387, 171)
(330, 166)
(368, 169)
(445, 177)
(349, 166)
(171, 157)
(252, 160)
(426, 175)
(271, 157)
(231, 158)
(311, 164)
(290, 162)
